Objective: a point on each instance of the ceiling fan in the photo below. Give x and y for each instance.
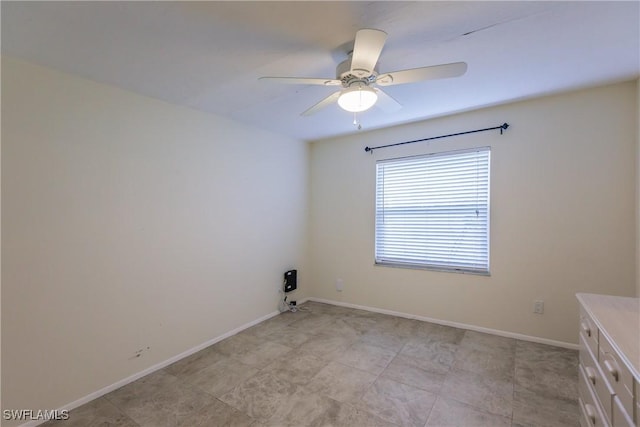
(359, 77)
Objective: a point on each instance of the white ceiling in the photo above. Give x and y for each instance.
(209, 55)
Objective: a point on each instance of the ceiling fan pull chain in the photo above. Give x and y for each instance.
(356, 122)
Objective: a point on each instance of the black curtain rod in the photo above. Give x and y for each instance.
(502, 128)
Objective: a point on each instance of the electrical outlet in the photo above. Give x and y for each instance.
(538, 307)
(339, 285)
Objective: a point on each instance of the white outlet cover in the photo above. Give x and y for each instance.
(339, 285)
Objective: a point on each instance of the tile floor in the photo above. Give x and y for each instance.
(335, 366)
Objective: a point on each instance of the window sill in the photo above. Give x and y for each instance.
(433, 268)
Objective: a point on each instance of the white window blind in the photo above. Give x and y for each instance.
(433, 211)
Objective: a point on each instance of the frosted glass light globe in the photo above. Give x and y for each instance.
(357, 99)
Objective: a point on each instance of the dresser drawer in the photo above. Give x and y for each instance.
(595, 379)
(590, 413)
(616, 374)
(621, 418)
(589, 331)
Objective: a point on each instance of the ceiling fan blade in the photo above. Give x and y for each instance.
(366, 51)
(386, 102)
(322, 104)
(424, 73)
(303, 81)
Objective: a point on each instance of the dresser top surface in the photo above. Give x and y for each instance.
(619, 319)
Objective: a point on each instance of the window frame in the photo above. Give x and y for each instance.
(435, 266)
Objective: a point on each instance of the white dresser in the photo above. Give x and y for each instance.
(609, 370)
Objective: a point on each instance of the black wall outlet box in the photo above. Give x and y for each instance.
(290, 280)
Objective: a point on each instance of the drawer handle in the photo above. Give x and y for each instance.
(585, 328)
(591, 374)
(611, 369)
(591, 413)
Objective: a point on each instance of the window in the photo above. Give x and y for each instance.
(433, 211)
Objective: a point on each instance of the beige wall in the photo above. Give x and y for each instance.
(562, 214)
(129, 224)
(638, 188)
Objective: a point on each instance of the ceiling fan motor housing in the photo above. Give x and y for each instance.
(344, 74)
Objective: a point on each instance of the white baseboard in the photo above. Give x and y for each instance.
(453, 324)
(96, 394)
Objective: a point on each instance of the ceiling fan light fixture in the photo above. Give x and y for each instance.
(357, 99)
